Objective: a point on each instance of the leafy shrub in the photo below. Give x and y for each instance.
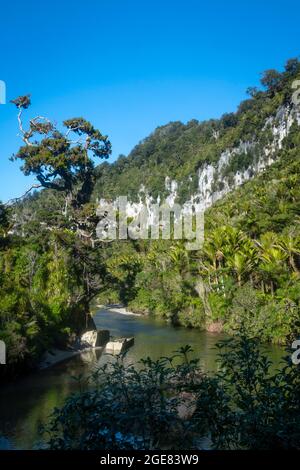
(171, 403)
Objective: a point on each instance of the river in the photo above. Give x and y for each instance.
(27, 403)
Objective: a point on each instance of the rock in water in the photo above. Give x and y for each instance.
(89, 339)
(118, 346)
(94, 338)
(102, 337)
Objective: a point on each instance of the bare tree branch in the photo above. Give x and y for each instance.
(11, 201)
(24, 133)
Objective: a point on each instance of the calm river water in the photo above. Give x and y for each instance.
(27, 403)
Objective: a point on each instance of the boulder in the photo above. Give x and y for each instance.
(89, 339)
(102, 337)
(119, 346)
(94, 338)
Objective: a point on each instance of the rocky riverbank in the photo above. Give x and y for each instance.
(89, 340)
(118, 308)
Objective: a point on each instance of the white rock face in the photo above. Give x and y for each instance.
(208, 173)
(212, 184)
(171, 186)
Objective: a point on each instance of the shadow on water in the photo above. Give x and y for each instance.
(27, 403)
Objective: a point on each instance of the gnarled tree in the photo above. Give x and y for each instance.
(61, 159)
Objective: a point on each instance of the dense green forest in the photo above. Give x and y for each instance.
(250, 264)
(247, 271)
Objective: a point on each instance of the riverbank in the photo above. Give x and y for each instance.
(56, 356)
(213, 327)
(118, 308)
(92, 339)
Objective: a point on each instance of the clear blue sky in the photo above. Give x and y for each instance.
(131, 65)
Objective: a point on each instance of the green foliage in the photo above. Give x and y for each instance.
(61, 160)
(171, 404)
(44, 294)
(251, 247)
(50, 267)
(252, 235)
(179, 150)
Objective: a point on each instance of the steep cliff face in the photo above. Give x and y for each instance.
(214, 182)
(235, 166)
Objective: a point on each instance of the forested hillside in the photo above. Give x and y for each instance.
(207, 157)
(249, 267)
(248, 270)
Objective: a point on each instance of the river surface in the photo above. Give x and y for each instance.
(27, 403)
